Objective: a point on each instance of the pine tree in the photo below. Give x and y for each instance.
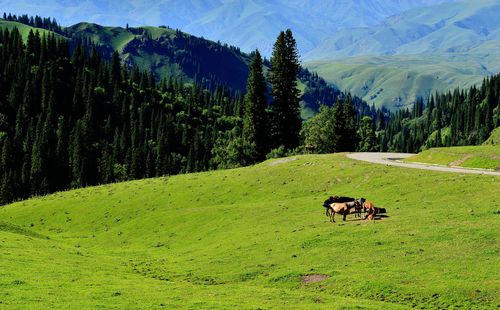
(349, 140)
(367, 138)
(286, 101)
(255, 123)
(338, 125)
(115, 74)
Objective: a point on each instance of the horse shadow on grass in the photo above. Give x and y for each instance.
(377, 218)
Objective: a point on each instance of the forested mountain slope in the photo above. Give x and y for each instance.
(173, 54)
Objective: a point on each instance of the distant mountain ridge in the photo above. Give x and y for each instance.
(248, 24)
(414, 54)
(463, 27)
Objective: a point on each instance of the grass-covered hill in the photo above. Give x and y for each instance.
(486, 156)
(245, 238)
(23, 29)
(397, 81)
(170, 53)
(494, 138)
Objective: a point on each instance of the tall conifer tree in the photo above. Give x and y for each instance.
(286, 104)
(255, 123)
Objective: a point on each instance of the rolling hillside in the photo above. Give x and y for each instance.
(397, 81)
(246, 237)
(485, 156)
(170, 53)
(23, 29)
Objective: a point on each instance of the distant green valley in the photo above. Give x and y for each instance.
(396, 82)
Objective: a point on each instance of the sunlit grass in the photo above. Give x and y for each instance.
(244, 238)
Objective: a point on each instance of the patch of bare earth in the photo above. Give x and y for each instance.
(459, 161)
(313, 278)
(282, 161)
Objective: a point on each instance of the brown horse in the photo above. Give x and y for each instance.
(341, 208)
(372, 210)
(333, 199)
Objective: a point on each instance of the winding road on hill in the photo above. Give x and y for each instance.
(394, 159)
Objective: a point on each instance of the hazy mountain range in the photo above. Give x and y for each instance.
(248, 24)
(463, 27)
(414, 53)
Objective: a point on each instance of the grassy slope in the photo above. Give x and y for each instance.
(485, 156)
(382, 80)
(116, 37)
(494, 138)
(23, 29)
(242, 238)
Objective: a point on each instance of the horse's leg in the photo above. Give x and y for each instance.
(332, 217)
(367, 215)
(345, 215)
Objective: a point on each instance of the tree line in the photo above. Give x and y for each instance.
(35, 21)
(448, 119)
(454, 118)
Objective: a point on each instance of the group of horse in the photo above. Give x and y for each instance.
(348, 205)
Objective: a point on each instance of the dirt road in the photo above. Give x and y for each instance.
(392, 159)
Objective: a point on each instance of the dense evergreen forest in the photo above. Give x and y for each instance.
(448, 119)
(69, 118)
(71, 121)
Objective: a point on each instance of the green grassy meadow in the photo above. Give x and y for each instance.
(483, 156)
(244, 238)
